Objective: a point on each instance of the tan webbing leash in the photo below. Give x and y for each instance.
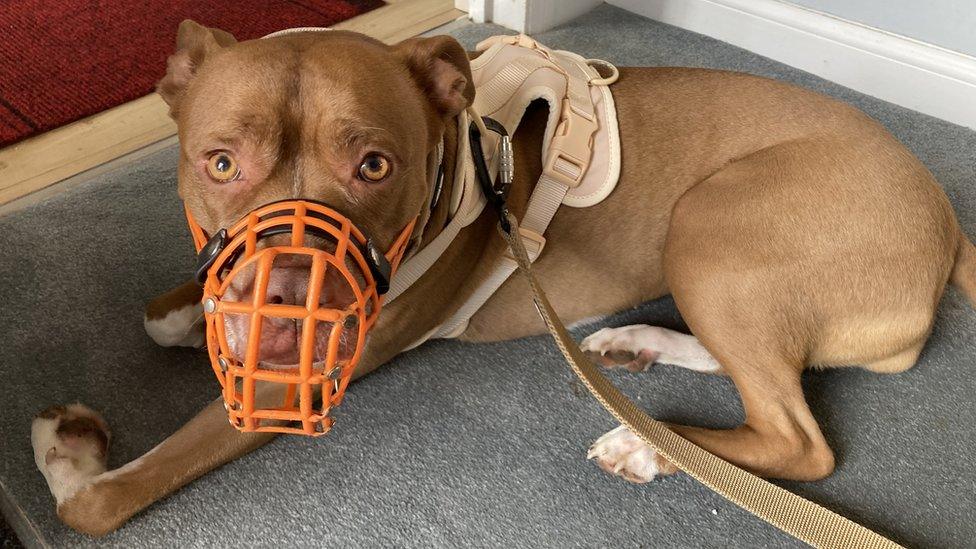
(795, 515)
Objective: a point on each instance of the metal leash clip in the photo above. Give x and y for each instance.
(495, 192)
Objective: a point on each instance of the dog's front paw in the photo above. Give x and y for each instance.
(180, 327)
(620, 348)
(620, 452)
(175, 319)
(70, 448)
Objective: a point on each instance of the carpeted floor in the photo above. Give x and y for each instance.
(60, 63)
(454, 444)
(8, 539)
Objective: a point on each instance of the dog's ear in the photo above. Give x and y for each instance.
(440, 67)
(194, 43)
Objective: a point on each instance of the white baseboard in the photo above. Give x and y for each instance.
(913, 74)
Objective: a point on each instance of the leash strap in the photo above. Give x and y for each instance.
(795, 515)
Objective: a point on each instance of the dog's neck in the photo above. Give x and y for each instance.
(441, 211)
(458, 272)
(529, 142)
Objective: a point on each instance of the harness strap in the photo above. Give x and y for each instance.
(567, 152)
(795, 515)
(498, 91)
(565, 80)
(546, 198)
(471, 202)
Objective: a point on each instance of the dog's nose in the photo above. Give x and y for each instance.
(287, 284)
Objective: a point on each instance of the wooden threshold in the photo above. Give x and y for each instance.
(41, 161)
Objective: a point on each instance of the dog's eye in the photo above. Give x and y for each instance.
(222, 167)
(374, 168)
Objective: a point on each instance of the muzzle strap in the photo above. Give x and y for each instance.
(207, 254)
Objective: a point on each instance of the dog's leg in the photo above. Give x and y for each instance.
(637, 347)
(768, 293)
(780, 439)
(70, 447)
(175, 319)
(70, 444)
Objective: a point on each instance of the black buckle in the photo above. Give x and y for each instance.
(379, 266)
(208, 255)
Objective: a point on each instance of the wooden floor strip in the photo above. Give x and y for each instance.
(46, 159)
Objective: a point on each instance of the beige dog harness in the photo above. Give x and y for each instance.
(580, 152)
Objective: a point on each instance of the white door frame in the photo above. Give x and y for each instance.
(528, 16)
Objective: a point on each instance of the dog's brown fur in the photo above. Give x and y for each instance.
(791, 229)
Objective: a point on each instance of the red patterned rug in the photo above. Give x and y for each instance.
(61, 61)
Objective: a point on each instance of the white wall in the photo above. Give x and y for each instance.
(947, 23)
(931, 79)
(924, 58)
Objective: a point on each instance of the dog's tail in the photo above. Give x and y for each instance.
(964, 272)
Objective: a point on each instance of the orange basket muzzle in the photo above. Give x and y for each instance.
(289, 294)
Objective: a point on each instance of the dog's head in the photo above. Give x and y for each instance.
(335, 117)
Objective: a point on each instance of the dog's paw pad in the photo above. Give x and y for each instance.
(619, 348)
(70, 447)
(620, 452)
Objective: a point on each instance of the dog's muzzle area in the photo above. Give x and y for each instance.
(289, 295)
(288, 284)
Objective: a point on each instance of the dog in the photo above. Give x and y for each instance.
(792, 231)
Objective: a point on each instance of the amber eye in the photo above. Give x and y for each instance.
(374, 168)
(222, 167)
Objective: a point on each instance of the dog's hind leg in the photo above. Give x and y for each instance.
(964, 271)
(639, 346)
(175, 319)
(780, 437)
(777, 262)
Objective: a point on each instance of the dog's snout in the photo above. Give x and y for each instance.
(309, 240)
(293, 261)
(288, 283)
(288, 280)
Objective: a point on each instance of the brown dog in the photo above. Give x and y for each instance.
(791, 229)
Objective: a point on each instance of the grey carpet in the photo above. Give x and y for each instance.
(8, 539)
(455, 444)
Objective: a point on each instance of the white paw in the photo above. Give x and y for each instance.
(70, 447)
(637, 347)
(182, 327)
(620, 347)
(621, 453)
